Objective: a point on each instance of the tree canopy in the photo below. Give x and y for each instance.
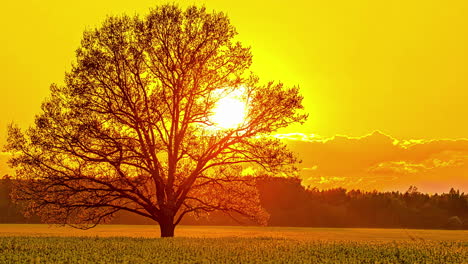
(130, 127)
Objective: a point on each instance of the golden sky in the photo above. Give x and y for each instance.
(399, 67)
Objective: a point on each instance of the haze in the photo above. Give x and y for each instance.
(396, 67)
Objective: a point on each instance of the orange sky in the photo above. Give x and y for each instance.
(399, 67)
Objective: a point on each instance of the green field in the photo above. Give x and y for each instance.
(139, 244)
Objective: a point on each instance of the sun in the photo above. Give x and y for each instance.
(230, 110)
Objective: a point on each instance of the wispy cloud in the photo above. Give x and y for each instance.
(374, 161)
(378, 161)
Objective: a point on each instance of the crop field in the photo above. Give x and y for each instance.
(193, 244)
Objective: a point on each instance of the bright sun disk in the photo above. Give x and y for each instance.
(229, 111)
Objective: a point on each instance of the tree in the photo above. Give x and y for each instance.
(130, 128)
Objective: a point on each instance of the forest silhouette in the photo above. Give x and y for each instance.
(291, 204)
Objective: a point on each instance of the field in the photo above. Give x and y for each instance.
(139, 244)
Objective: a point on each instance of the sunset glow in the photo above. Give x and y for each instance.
(264, 118)
(230, 110)
(397, 67)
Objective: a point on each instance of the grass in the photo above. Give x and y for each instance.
(137, 244)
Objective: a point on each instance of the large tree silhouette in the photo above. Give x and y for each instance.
(130, 129)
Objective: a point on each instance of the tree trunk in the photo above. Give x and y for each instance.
(167, 227)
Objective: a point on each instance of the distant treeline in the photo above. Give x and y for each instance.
(291, 204)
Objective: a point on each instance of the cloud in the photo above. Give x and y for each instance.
(372, 162)
(378, 161)
(400, 167)
(298, 136)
